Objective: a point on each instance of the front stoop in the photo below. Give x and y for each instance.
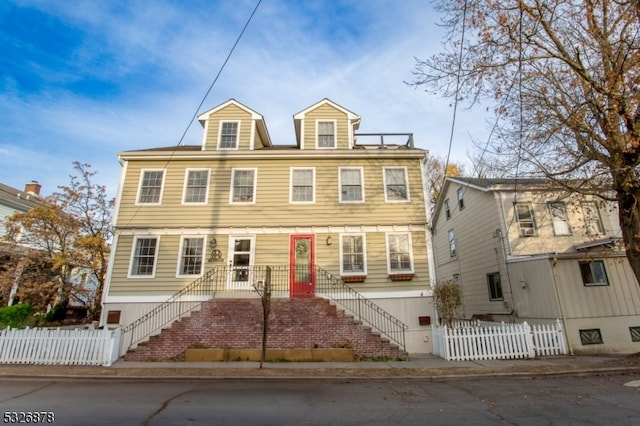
(294, 324)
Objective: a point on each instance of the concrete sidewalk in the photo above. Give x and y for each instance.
(419, 366)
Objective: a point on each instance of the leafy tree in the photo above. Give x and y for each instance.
(565, 76)
(435, 170)
(71, 231)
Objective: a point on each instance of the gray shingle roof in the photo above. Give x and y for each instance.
(17, 199)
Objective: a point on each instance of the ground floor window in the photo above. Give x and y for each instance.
(191, 256)
(143, 258)
(352, 249)
(399, 253)
(495, 286)
(593, 273)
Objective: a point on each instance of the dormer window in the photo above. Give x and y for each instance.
(228, 135)
(326, 134)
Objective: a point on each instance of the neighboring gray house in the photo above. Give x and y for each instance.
(14, 200)
(524, 250)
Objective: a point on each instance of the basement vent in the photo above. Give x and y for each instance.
(591, 336)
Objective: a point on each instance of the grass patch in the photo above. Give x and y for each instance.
(17, 316)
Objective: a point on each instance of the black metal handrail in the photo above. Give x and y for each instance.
(362, 308)
(169, 311)
(250, 278)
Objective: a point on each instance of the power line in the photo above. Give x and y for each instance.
(195, 114)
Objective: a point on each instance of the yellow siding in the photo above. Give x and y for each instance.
(229, 113)
(272, 207)
(326, 112)
(270, 249)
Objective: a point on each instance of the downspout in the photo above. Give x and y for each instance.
(498, 234)
(554, 261)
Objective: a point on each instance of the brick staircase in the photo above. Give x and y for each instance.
(237, 324)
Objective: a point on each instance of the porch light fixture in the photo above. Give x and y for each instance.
(329, 240)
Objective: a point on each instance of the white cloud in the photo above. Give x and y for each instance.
(155, 60)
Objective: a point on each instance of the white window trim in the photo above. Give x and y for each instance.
(364, 254)
(340, 169)
(553, 220)
(133, 251)
(335, 133)
(202, 260)
(313, 183)
(388, 250)
(533, 219)
(255, 185)
(238, 122)
(454, 252)
(184, 187)
(140, 180)
(406, 183)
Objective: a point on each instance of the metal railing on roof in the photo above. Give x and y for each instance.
(384, 140)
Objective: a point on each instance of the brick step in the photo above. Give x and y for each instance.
(237, 323)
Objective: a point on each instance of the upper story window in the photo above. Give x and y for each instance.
(592, 220)
(243, 185)
(452, 243)
(399, 254)
(302, 185)
(460, 193)
(143, 257)
(559, 219)
(196, 186)
(526, 220)
(352, 254)
(395, 184)
(150, 190)
(593, 273)
(228, 135)
(326, 134)
(351, 185)
(447, 209)
(191, 256)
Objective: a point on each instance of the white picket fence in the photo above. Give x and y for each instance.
(59, 346)
(470, 341)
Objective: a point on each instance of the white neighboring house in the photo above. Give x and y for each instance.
(524, 250)
(13, 200)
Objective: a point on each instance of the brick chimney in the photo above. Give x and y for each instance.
(33, 187)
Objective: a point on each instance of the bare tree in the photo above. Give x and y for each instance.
(565, 76)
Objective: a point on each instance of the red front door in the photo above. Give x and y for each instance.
(302, 275)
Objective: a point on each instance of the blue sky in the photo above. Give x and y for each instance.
(84, 80)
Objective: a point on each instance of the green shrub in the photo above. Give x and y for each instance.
(16, 316)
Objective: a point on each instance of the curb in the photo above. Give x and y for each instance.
(339, 375)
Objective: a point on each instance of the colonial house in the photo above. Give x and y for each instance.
(525, 250)
(339, 216)
(13, 200)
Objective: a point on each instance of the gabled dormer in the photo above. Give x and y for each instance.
(232, 126)
(325, 125)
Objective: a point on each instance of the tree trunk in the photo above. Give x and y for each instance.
(629, 216)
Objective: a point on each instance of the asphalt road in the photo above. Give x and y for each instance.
(590, 400)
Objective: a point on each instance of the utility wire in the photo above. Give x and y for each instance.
(195, 114)
(455, 102)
